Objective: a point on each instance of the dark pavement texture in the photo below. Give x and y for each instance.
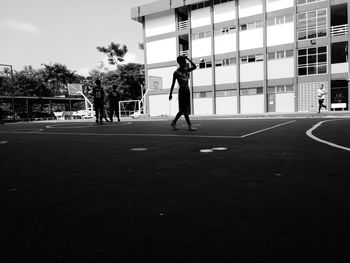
(75, 192)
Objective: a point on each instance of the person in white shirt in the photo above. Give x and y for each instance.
(321, 92)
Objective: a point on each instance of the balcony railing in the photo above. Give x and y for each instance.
(183, 25)
(339, 30)
(184, 53)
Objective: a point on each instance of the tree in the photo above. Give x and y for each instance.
(57, 76)
(115, 52)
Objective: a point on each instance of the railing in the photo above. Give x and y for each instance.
(184, 53)
(339, 30)
(183, 25)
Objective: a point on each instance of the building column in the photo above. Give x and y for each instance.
(329, 51)
(190, 55)
(296, 84)
(213, 56)
(238, 65)
(265, 56)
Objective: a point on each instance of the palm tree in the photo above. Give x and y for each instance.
(115, 52)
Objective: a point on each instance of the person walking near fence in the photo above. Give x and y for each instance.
(99, 96)
(114, 98)
(182, 76)
(321, 92)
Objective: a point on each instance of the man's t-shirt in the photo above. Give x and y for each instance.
(114, 97)
(98, 94)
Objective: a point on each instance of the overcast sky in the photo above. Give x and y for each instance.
(33, 32)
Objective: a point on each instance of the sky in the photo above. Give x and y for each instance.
(33, 32)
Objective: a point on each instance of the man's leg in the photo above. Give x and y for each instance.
(319, 105)
(117, 112)
(101, 113)
(96, 112)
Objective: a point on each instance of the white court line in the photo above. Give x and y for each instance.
(92, 125)
(270, 128)
(309, 133)
(157, 134)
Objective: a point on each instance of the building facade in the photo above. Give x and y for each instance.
(253, 56)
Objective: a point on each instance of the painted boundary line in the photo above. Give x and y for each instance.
(270, 128)
(151, 134)
(309, 133)
(92, 125)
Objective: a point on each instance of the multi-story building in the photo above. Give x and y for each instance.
(253, 56)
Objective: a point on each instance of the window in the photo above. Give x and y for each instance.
(226, 93)
(303, 2)
(243, 27)
(225, 62)
(217, 2)
(339, 52)
(280, 54)
(280, 89)
(200, 5)
(202, 94)
(271, 55)
(312, 61)
(312, 24)
(251, 91)
(252, 58)
(251, 25)
(225, 30)
(280, 20)
(289, 53)
(204, 64)
(201, 35)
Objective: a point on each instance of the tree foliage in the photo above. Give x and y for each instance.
(115, 52)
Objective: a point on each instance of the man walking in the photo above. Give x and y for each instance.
(321, 92)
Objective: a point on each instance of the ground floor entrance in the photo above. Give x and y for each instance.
(339, 95)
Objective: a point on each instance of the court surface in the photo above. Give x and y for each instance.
(247, 190)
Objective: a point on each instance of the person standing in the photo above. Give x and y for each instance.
(321, 92)
(99, 96)
(182, 76)
(114, 98)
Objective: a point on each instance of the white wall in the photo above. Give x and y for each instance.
(285, 102)
(203, 106)
(161, 50)
(201, 47)
(252, 104)
(226, 105)
(252, 71)
(280, 68)
(225, 43)
(273, 5)
(340, 68)
(202, 77)
(250, 39)
(200, 17)
(250, 7)
(160, 105)
(226, 74)
(156, 25)
(165, 73)
(224, 12)
(280, 34)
